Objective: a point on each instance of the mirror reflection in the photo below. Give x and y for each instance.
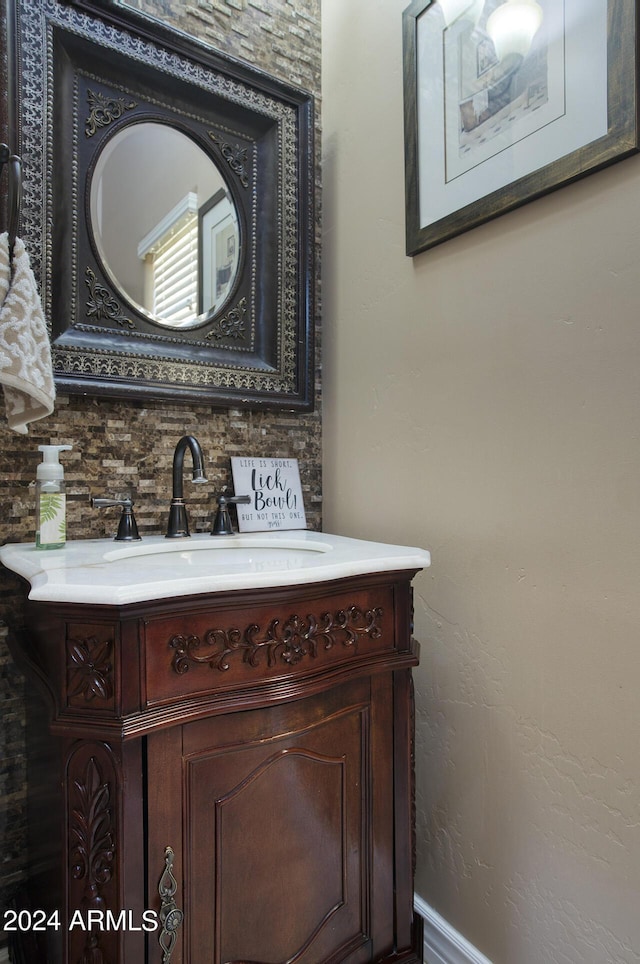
(164, 224)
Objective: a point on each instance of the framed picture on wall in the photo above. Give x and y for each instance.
(218, 251)
(505, 100)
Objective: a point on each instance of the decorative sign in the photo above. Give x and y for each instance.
(275, 491)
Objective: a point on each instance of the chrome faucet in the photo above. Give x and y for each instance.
(178, 525)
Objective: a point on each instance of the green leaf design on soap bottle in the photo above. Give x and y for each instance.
(51, 503)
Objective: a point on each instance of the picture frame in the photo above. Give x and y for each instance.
(568, 107)
(218, 252)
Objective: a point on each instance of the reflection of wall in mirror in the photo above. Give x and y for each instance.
(148, 171)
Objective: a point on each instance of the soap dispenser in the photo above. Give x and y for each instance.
(51, 507)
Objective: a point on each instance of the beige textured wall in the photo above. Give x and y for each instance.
(482, 400)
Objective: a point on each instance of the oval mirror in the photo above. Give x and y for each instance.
(164, 224)
(142, 126)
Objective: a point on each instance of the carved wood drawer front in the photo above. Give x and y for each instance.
(200, 653)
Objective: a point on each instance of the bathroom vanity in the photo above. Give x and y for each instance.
(221, 749)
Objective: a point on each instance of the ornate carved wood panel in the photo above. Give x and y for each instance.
(90, 666)
(92, 840)
(207, 652)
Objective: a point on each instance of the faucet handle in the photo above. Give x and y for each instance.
(127, 529)
(222, 525)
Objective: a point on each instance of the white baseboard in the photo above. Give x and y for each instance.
(442, 943)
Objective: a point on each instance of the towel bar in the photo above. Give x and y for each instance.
(14, 192)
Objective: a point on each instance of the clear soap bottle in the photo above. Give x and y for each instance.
(51, 505)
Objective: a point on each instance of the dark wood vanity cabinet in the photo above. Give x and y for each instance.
(224, 778)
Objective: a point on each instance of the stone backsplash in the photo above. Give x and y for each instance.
(127, 447)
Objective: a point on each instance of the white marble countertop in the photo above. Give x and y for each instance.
(102, 571)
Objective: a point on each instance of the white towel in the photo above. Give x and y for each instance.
(5, 268)
(26, 372)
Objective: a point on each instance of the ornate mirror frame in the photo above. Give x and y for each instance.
(88, 66)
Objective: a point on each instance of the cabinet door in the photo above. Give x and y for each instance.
(283, 841)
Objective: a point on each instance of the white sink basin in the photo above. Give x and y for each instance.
(102, 571)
